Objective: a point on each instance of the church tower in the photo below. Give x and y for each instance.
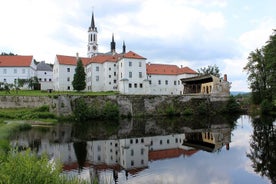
(92, 49)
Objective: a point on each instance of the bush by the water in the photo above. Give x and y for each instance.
(83, 111)
(26, 167)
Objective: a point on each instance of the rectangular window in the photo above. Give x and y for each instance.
(109, 76)
(109, 69)
(68, 69)
(129, 85)
(140, 64)
(166, 82)
(114, 81)
(45, 79)
(178, 82)
(5, 71)
(39, 79)
(130, 63)
(68, 87)
(130, 74)
(159, 82)
(174, 82)
(135, 85)
(23, 71)
(115, 74)
(140, 74)
(15, 70)
(97, 68)
(97, 78)
(50, 80)
(150, 82)
(68, 79)
(141, 85)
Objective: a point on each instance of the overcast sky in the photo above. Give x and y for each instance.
(193, 33)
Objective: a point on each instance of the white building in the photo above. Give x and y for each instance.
(44, 73)
(16, 67)
(126, 72)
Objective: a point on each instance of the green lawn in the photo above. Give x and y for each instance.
(45, 93)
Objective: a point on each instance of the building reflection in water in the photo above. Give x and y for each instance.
(129, 155)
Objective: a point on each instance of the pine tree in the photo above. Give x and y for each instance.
(79, 77)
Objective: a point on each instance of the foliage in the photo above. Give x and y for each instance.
(210, 70)
(203, 108)
(266, 106)
(171, 111)
(110, 111)
(27, 114)
(7, 54)
(261, 70)
(83, 111)
(26, 167)
(79, 77)
(257, 75)
(187, 111)
(232, 106)
(263, 148)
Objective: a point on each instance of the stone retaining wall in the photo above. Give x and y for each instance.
(134, 105)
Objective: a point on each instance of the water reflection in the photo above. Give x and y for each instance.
(147, 151)
(263, 147)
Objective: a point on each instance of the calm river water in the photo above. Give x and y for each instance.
(183, 150)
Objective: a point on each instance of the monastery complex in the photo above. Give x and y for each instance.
(125, 72)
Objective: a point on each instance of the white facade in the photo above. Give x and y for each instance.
(126, 72)
(63, 76)
(16, 67)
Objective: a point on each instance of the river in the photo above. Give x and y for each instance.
(169, 150)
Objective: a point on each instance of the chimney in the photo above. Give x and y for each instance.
(77, 55)
(227, 146)
(225, 77)
(181, 66)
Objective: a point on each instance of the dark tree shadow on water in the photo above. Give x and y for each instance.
(263, 147)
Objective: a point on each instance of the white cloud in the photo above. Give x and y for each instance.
(256, 38)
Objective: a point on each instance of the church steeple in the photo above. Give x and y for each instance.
(92, 26)
(113, 44)
(124, 47)
(92, 47)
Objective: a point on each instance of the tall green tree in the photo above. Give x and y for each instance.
(257, 75)
(270, 57)
(79, 77)
(261, 70)
(211, 70)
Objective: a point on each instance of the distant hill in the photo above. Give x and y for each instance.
(235, 93)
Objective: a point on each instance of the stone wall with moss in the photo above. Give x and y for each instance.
(128, 105)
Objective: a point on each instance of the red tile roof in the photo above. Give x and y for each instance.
(71, 60)
(104, 58)
(132, 55)
(15, 61)
(169, 153)
(163, 69)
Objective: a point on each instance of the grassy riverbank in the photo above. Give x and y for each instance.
(54, 93)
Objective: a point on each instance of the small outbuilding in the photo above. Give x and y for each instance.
(207, 85)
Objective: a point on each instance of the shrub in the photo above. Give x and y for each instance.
(188, 111)
(110, 111)
(266, 107)
(81, 110)
(26, 167)
(232, 106)
(202, 108)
